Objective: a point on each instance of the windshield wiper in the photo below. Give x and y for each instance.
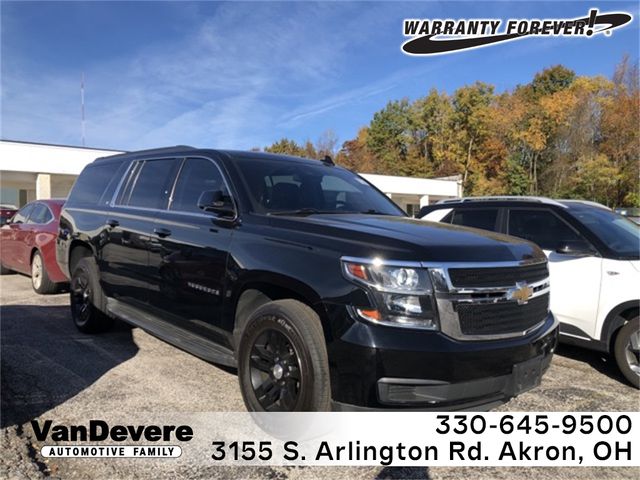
(373, 211)
(303, 211)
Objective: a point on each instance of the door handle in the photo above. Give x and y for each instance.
(162, 232)
(113, 223)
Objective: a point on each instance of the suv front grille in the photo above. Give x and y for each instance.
(502, 318)
(497, 277)
(478, 302)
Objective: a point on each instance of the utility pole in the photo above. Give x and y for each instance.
(82, 107)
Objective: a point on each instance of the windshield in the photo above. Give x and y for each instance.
(281, 187)
(616, 232)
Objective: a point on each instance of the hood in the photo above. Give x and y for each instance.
(404, 238)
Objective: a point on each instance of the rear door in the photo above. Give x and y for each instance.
(13, 235)
(124, 256)
(188, 253)
(575, 280)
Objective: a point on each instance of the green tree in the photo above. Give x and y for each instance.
(286, 146)
(552, 80)
(389, 137)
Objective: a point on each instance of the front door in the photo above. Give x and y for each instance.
(13, 236)
(188, 254)
(575, 280)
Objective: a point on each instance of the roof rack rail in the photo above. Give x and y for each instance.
(585, 202)
(151, 151)
(503, 198)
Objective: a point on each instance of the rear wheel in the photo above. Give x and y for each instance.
(87, 300)
(282, 359)
(627, 351)
(40, 280)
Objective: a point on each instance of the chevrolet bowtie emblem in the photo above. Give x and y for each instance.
(521, 293)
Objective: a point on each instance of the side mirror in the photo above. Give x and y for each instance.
(216, 201)
(575, 248)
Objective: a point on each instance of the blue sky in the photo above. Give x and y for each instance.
(239, 75)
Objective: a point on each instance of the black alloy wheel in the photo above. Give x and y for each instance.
(275, 371)
(81, 298)
(282, 359)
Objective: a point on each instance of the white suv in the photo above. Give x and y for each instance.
(594, 264)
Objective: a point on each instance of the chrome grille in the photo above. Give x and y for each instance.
(480, 301)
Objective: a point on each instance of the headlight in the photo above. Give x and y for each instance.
(402, 292)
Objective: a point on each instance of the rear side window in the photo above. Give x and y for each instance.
(196, 176)
(23, 214)
(40, 214)
(484, 218)
(541, 227)
(151, 185)
(93, 184)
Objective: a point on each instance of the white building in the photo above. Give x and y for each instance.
(30, 171)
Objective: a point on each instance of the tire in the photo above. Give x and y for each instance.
(87, 299)
(626, 351)
(282, 359)
(4, 270)
(40, 280)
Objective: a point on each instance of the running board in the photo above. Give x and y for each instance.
(183, 339)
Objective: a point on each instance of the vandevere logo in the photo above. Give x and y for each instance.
(440, 36)
(99, 431)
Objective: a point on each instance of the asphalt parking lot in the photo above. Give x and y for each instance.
(48, 368)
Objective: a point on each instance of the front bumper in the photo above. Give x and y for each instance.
(377, 367)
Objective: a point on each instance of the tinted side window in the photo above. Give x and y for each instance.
(541, 227)
(22, 215)
(40, 214)
(93, 182)
(152, 185)
(484, 218)
(196, 176)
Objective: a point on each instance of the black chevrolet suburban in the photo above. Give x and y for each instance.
(308, 279)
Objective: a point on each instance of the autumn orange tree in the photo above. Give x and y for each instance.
(561, 135)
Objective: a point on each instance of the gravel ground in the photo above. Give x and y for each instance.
(49, 369)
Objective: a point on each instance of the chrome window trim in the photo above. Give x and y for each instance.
(127, 174)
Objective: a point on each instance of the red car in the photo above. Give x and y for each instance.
(6, 212)
(28, 245)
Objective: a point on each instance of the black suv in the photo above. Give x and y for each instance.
(308, 279)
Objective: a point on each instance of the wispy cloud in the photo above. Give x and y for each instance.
(226, 81)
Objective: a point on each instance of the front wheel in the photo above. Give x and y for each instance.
(627, 351)
(282, 359)
(40, 280)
